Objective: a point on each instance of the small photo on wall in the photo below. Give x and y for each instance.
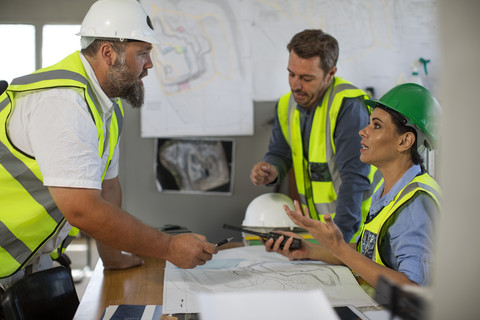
(194, 165)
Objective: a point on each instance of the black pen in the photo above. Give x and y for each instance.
(218, 244)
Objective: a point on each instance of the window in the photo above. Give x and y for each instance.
(18, 57)
(58, 42)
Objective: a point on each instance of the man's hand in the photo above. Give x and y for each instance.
(105, 221)
(263, 173)
(189, 250)
(114, 259)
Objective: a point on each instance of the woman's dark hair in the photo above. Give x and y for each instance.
(400, 124)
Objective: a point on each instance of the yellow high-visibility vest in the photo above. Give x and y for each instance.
(28, 215)
(373, 231)
(319, 192)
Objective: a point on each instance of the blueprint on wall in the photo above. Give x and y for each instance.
(219, 56)
(378, 39)
(251, 268)
(201, 81)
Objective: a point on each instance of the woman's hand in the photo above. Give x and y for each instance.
(326, 233)
(297, 254)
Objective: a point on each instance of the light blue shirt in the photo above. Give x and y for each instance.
(408, 243)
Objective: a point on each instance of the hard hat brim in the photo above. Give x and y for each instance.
(373, 103)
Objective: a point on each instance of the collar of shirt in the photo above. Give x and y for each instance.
(378, 203)
(105, 102)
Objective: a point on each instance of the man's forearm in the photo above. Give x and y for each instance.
(108, 223)
(114, 258)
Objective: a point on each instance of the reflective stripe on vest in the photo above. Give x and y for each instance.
(374, 230)
(63, 246)
(317, 178)
(29, 216)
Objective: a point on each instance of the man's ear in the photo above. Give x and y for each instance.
(331, 74)
(407, 140)
(332, 71)
(107, 53)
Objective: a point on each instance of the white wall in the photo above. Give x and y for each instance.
(457, 273)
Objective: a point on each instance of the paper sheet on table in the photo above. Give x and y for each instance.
(251, 269)
(278, 305)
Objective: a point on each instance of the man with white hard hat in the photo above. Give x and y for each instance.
(60, 128)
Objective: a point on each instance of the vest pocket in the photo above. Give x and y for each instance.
(319, 172)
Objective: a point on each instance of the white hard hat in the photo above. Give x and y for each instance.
(267, 211)
(118, 19)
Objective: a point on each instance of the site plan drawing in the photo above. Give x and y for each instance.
(217, 57)
(201, 82)
(250, 269)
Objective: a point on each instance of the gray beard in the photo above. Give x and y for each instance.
(123, 84)
(134, 94)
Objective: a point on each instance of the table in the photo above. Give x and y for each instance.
(142, 285)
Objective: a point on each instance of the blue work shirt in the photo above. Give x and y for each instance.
(408, 243)
(353, 116)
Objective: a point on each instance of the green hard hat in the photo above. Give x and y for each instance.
(418, 106)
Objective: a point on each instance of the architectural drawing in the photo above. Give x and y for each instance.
(201, 82)
(379, 40)
(218, 56)
(261, 272)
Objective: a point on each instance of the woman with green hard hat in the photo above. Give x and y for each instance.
(396, 240)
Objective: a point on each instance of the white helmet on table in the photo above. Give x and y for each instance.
(266, 212)
(117, 19)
